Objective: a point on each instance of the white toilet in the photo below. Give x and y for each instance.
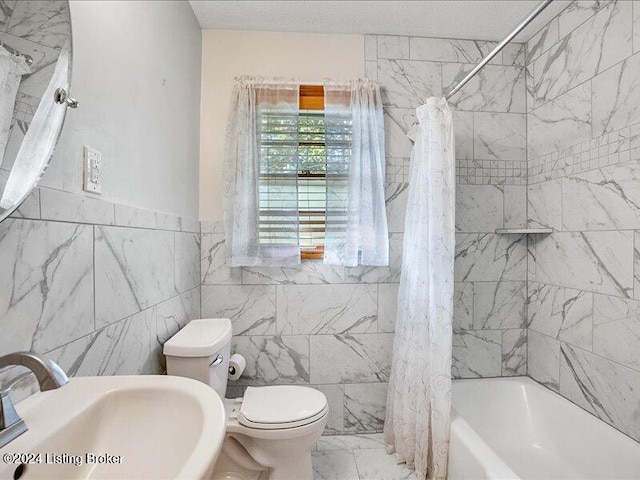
(271, 430)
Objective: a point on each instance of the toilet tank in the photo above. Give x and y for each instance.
(201, 351)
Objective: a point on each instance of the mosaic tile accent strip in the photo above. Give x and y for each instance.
(613, 148)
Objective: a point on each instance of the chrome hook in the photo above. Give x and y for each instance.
(61, 97)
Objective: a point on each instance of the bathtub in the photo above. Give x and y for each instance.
(510, 428)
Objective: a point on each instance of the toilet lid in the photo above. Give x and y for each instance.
(282, 404)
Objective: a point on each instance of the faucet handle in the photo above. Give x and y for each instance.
(8, 414)
(11, 424)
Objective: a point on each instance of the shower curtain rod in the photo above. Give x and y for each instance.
(500, 46)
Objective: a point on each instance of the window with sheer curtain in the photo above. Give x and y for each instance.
(288, 169)
(293, 173)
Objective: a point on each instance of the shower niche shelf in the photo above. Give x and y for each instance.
(520, 231)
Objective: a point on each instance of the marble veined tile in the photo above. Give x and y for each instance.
(396, 195)
(213, 262)
(616, 96)
(600, 262)
(462, 306)
(361, 357)
(371, 47)
(514, 54)
(463, 131)
(30, 206)
(307, 272)
(46, 284)
(514, 352)
(545, 205)
(477, 353)
(335, 401)
(596, 45)
(274, 360)
(495, 88)
(46, 23)
(565, 120)
(616, 330)
(408, 83)
(173, 315)
(389, 274)
(393, 46)
(376, 464)
(127, 347)
(490, 257)
(326, 309)
(70, 207)
(604, 388)
(187, 258)
(451, 50)
(499, 136)
(636, 27)
(334, 465)
(134, 217)
(251, 308)
(364, 407)
(562, 313)
(636, 265)
(603, 199)
(499, 305)
(577, 13)
(543, 40)
(479, 208)
(6, 9)
(387, 306)
(134, 270)
(543, 359)
(350, 442)
(515, 206)
(397, 122)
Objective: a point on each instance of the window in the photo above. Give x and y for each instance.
(293, 168)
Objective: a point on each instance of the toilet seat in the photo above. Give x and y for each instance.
(280, 407)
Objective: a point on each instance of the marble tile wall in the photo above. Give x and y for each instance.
(491, 173)
(325, 326)
(333, 327)
(584, 182)
(95, 286)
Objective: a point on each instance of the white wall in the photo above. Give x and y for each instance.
(226, 54)
(136, 73)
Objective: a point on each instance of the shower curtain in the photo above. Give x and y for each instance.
(419, 396)
(12, 68)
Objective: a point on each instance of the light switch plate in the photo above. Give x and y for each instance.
(92, 170)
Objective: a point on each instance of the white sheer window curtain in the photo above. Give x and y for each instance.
(260, 174)
(262, 215)
(356, 220)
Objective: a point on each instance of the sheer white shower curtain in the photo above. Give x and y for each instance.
(419, 396)
(12, 68)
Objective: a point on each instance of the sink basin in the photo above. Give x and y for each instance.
(138, 427)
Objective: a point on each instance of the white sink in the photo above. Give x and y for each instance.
(159, 426)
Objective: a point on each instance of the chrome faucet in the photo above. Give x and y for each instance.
(49, 375)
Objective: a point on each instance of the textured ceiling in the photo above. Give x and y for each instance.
(479, 19)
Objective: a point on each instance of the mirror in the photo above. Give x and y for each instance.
(35, 63)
